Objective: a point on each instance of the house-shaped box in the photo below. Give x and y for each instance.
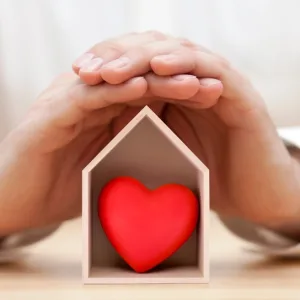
(148, 150)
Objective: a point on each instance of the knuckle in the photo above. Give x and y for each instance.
(103, 98)
(96, 47)
(115, 47)
(110, 45)
(223, 63)
(38, 106)
(74, 96)
(157, 35)
(140, 51)
(77, 95)
(186, 43)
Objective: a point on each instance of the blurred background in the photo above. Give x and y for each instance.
(40, 39)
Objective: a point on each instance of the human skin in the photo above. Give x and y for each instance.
(211, 106)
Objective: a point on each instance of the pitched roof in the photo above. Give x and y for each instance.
(146, 112)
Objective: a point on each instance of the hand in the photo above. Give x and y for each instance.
(41, 161)
(228, 127)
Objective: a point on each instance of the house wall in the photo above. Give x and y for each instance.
(154, 161)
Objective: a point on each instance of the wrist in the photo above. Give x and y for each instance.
(289, 225)
(289, 230)
(14, 170)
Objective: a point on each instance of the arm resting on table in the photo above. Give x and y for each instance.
(285, 242)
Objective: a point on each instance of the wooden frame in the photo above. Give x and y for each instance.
(145, 143)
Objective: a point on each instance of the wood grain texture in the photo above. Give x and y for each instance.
(52, 270)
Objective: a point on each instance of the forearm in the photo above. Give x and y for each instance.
(291, 228)
(281, 239)
(15, 228)
(22, 192)
(13, 189)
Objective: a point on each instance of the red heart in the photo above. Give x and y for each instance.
(144, 226)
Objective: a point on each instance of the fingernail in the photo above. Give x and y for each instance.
(117, 63)
(209, 81)
(92, 65)
(83, 59)
(166, 57)
(183, 77)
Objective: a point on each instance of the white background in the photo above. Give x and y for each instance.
(41, 38)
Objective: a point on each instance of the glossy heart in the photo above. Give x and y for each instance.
(146, 226)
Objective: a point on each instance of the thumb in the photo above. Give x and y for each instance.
(208, 94)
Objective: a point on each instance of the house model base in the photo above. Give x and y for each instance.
(149, 151)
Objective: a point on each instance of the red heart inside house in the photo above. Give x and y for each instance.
(146, 226)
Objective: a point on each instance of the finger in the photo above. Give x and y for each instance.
(206, 97)
(63, 79)
(79, 100)
(105, 50)
(193, 46)
(103, 116)
(179, 87)
(208, 94)
(236, 87)
(59, 81)
(198, 63)
(185, 89)
(174, 63)
(136, 61)
(88, 65)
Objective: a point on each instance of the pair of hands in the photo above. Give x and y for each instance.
(199, 95)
